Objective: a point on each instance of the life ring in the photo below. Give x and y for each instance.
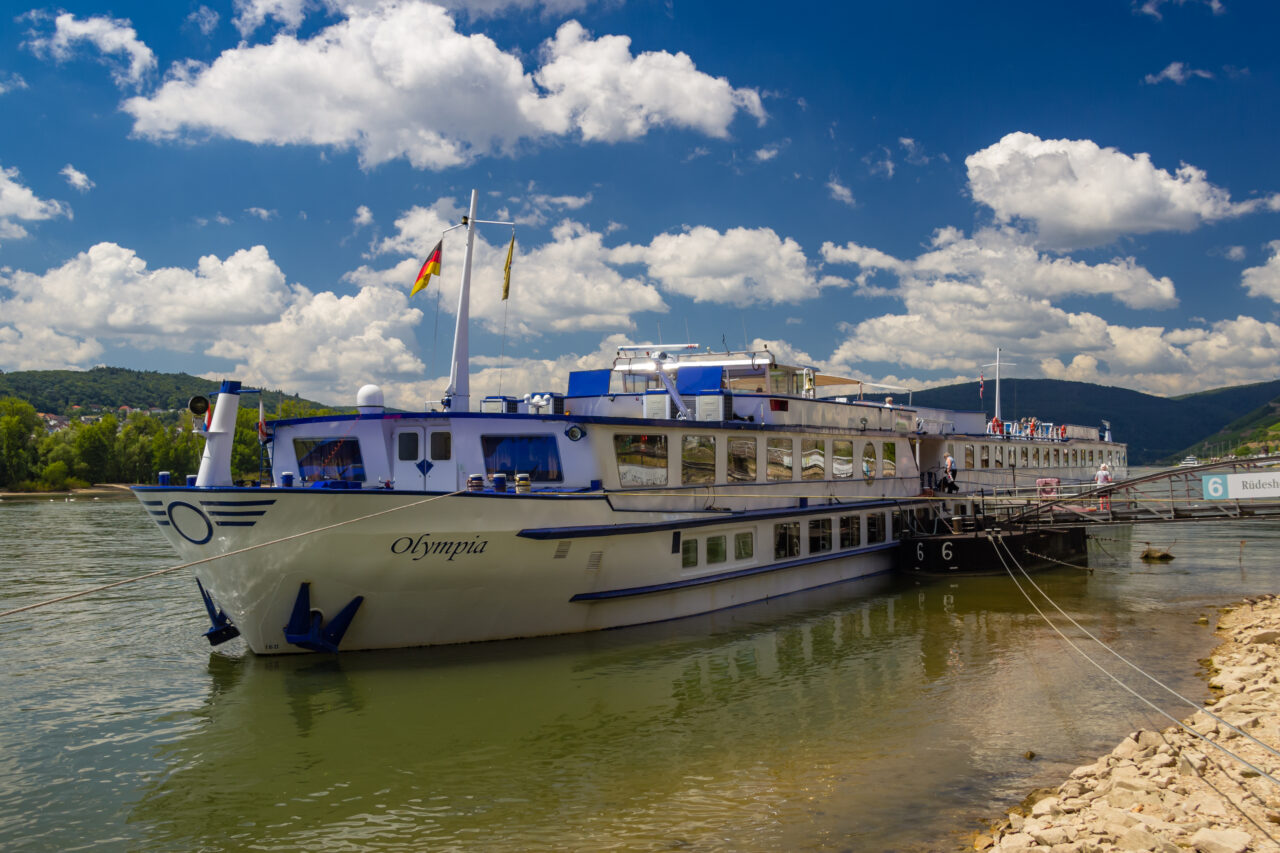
(1062, 431)
(997, 427)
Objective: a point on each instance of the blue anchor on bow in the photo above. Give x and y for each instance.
(305, 628)
(222, 629)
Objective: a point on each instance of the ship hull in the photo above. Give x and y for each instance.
(456, 568)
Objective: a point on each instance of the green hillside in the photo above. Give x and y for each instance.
(109, 388)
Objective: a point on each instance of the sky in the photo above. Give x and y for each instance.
(888, 191)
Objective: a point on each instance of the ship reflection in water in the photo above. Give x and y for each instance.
(865, 714)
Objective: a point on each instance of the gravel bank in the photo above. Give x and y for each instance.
(1169, 791)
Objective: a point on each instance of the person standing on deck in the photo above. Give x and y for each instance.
(949, 475)
(1102, 478)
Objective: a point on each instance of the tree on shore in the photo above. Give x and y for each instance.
(19, 427)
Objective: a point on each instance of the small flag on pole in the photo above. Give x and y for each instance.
(506, 269)
(429, 268)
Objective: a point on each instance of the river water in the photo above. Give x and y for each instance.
(885, 716)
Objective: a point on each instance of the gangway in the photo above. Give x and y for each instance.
(1173, 494)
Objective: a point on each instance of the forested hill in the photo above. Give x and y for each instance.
(109, 388)
(1155, 428)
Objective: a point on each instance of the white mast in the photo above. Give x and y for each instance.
(997, 367)
(458, 394)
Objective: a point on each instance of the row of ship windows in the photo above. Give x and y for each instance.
(1036, 457)
(643, 459)
(823, 535)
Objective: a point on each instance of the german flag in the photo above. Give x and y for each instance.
(430, 268)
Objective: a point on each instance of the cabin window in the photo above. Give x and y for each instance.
(779, 456)
(968, 456)
(329, 459)
(782, 382)
(441, 446)
(716, 550)
(744, 545)
(786, 540)
(850, 531)
(889, 466)
(1110, 458)
(1075, 456)
(1091, 458)
(841, 459)
(1055, 458)
(642, 459)
(698, 459)
(535, 455)
(999, 456)
(897, 523)
(869, 462)
(742, 460)
(875, 528)
(1023, 454)
(407, 446)
(813, 459)
(689, 553)
(986, 456)
(819, 535)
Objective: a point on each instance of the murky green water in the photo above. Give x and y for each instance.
(888, 717)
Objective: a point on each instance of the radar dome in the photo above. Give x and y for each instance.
(369, 399)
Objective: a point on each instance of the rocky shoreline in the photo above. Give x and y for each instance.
(1169, 791)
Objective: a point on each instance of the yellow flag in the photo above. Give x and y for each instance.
(506, 269)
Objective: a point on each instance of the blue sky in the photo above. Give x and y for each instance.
(889, 191)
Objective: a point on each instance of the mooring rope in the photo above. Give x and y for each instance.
(1049, 559)
(997, 546)
(244, 550)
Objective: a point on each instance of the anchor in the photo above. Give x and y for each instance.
(222, 629)
(305, 629)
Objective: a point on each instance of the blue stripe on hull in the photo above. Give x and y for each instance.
(745, 516)
(604, 595)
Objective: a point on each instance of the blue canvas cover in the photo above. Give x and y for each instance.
(699, 380)
(588, 383)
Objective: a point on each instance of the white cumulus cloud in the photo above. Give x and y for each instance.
(17, 202)
(399, 80)
(1078, 194)
(739, 266)
(204, 19)
(1176, 72)
(109, 292)
(76, 178)
(11, 83)
(251, 14)
(1265, 280)
(840, 192)
(111, 36)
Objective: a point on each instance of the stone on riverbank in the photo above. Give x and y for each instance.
(1170, 791)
